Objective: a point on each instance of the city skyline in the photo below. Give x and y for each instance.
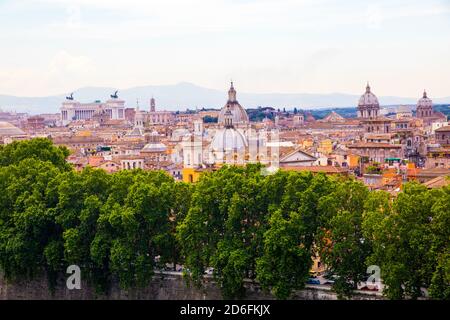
(52, 47)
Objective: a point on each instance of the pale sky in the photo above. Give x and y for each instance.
(303, 46)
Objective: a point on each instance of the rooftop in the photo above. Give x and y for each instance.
(324, 169)
(438, 182)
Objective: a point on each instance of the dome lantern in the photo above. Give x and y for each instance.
(232, 94)
(239, 115)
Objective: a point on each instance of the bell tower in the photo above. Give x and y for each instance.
(152, 105)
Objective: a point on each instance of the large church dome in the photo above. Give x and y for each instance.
(228, 139)
(8, 130)
(239, 114)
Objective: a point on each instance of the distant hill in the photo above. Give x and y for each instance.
(186, 95)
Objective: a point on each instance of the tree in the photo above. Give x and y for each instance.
(286, 261)
(342, 245)
(27, 224)
(38, 148)
(440, 281)
(403, 241)
(182, 202)
(224, 226)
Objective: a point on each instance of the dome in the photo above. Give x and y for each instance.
(368, 106)
(154, 147)
(425, 101)
(368, 99)
(7, 129)
(228, 139)
(238, 112)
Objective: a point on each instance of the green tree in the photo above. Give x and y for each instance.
(286, 261)
(342, 245)
(38, 148)
(224, 226)
(27, 224)
(402, 241)
(440, 228)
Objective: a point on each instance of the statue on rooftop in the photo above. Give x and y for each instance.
(115, 96)
(70, 97)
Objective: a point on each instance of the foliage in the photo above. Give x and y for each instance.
(373, 169)
(39, 148)
(341, 243)
(411, 241)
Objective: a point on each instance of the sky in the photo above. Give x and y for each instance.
(289, 46)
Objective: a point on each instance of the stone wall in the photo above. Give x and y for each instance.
(167, 286)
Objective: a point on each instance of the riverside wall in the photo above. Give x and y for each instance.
(165, 286)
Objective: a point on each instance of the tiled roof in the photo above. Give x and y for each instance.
(324, 169)
(374, 145)
(438, 182)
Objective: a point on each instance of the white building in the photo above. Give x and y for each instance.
(74, 110)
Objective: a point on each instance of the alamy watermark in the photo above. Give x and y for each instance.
(74, 280)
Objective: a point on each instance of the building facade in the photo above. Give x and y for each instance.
(72, 110)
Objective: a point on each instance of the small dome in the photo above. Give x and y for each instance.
(239, 115)
(228, 139)
(7, 130)
(154, 147)
(424, 101)
(368, 99)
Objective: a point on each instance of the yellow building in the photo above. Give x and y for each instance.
(325, 146)
(353, 160)
(190, 175)
(307, 143)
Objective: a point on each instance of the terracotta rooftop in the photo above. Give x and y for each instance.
(373, 145)
(324, 169)
(438, 182)
(435, 171)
